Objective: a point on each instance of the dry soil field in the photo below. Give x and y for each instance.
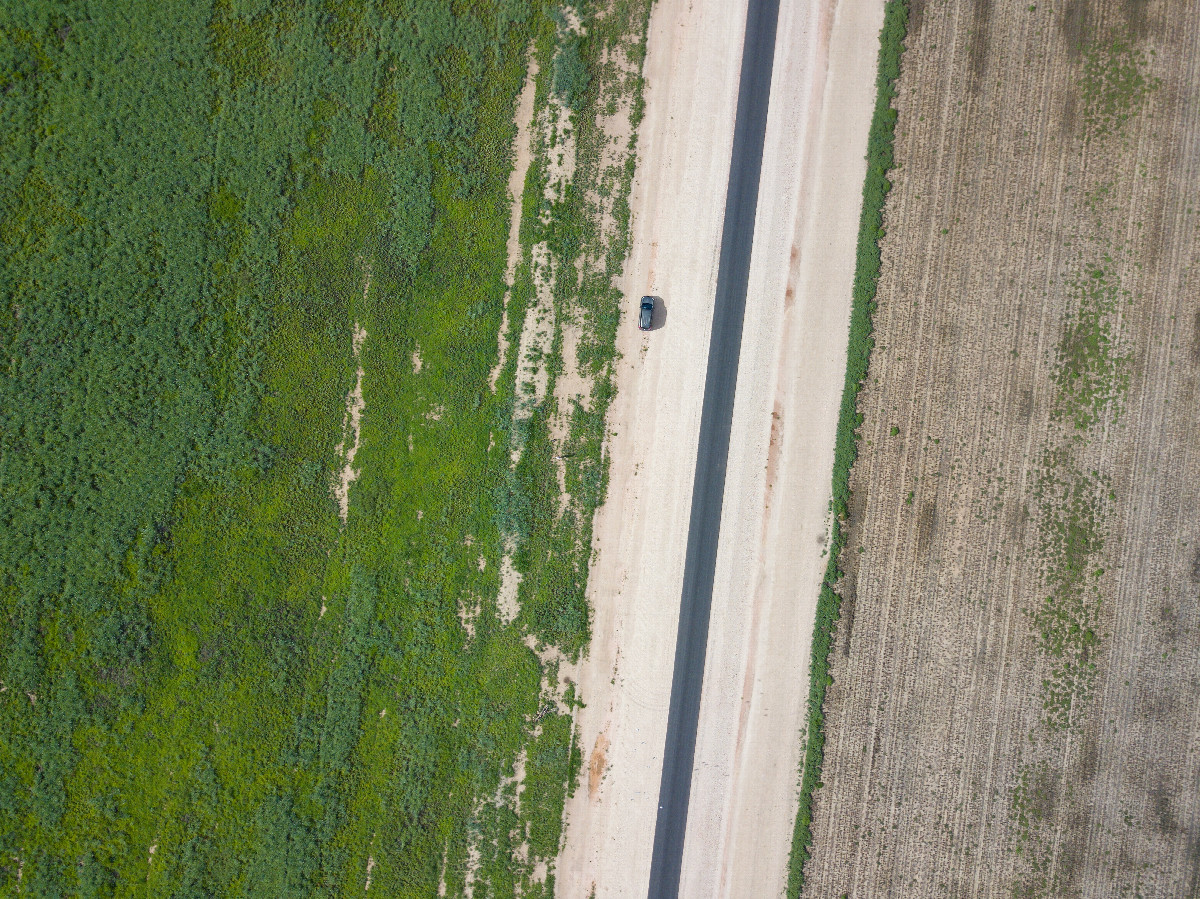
(1016, 700)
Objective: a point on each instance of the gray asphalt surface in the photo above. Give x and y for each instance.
(733, 272)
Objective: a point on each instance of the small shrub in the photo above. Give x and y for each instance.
(570, 73)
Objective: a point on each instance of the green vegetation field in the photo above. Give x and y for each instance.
(210, 685)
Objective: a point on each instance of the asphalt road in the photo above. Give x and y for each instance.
(733, 272)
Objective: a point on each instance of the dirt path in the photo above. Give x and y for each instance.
(773, 528)
(777, 490)
(522, 156)
(351, 425)
(691, 74)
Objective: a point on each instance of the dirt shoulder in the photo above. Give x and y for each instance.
(777, 491)
(678, 202)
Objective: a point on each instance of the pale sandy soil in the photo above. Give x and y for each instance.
(351, 426)
(522, 156)
(539, 327)
(777, 491)
(774, 524)
(678, 199)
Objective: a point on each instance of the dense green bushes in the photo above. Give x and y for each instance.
(861, 342)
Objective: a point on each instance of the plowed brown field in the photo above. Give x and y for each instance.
(1016, 700)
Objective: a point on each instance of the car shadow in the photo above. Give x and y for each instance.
(658, 320)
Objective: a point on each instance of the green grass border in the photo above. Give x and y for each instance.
(858, 354)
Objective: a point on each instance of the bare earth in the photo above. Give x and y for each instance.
(1015, 708)
(774, 524)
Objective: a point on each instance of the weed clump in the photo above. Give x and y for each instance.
(571, 78)
(1115, 83)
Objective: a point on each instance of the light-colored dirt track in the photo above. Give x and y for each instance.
(1016, 697)
(777, 489)
(678, 201)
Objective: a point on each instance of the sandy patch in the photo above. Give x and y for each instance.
(597, 765)
(541, 871)
(570, 387)
(774, 521)
(351, 425)
(618, 129)
(507, 606)
(557, 141)
(474, 857)
(573, 385)
(558, 675)
(537, 338)
(442, 889)
(508, 793)
(522, 156)
(555, 137)
(468, 612)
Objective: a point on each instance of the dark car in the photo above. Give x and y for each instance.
(646, 316)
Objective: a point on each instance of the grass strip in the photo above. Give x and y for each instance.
(858, 354)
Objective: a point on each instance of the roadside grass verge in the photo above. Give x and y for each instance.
(861, 342)
(586, 234)
(582, 226)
